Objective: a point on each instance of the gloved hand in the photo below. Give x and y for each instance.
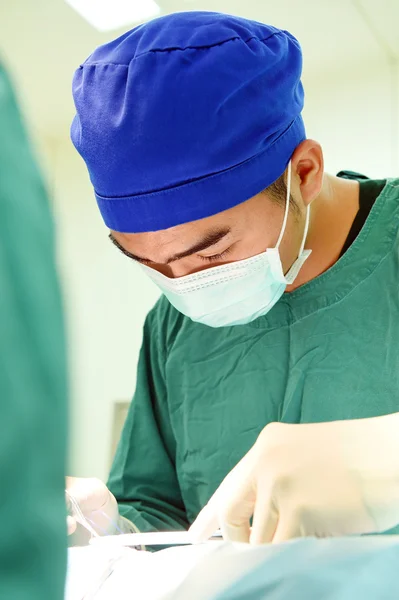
(96, 502)
(322, 479)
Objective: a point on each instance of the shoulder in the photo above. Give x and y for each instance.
(393, 186)
(391, 193)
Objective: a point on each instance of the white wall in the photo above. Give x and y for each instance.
(106, 300)
(353, 116)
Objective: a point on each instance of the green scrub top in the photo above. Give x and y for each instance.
(328, 351)
(32, 376)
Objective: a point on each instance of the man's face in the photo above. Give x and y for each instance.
(235, 234)
(240, 232)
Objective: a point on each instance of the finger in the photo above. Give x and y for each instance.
(71, 525)
(265, 520)
(236, 533)
(236, 511)
(230, 508)
(287, 529)
(206, 523)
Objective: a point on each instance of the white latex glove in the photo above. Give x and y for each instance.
(96, 502)
(323, 479)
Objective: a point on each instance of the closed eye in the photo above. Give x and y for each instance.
(215, 257)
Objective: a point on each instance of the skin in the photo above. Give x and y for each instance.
(255, 225)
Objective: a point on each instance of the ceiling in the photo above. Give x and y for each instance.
(43, 41)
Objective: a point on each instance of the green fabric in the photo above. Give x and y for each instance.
(329, 350)
(32, 376)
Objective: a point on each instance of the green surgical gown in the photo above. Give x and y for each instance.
(328, 351)
(32, 376)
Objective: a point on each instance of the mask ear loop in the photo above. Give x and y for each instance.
(305, 234)
(287, 206)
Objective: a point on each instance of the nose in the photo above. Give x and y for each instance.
(176, 270)
(172, 271)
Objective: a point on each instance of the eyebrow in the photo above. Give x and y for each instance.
(210, 239)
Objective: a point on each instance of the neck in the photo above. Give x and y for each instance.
(331, 218)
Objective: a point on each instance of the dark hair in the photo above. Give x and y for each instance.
(277, 191)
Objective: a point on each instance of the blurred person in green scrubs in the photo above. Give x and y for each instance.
(33, 384)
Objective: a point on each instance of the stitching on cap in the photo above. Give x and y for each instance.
(206, 47)
(177, 49)
(101, 64)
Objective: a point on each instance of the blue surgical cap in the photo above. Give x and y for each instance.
(187, 116)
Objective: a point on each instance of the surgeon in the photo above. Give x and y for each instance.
(33, 374)
(267, 397)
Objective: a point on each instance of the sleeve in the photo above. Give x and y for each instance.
(33, 385)
(143, 477)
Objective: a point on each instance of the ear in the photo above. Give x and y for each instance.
(308, 164)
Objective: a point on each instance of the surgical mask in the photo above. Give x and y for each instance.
(235, 293)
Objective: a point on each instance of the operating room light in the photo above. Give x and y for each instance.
(106, 15)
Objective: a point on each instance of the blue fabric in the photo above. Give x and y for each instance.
(335, 569)
(186, 116)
